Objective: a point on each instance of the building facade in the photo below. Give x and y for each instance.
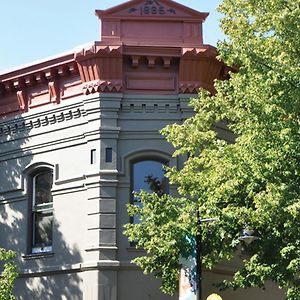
(74, 130)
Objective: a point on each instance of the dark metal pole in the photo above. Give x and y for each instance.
(198, 257)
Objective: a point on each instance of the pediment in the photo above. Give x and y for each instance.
(157, 9)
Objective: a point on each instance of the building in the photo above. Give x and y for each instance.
(73, 131)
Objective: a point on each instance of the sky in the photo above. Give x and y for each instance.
(31, 30)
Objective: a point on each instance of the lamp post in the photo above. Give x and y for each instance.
(247, 236)
(198, 257)
(199, 252)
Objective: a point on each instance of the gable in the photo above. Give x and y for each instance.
(152, 22)
(159, 9)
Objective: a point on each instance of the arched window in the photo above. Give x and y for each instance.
(41, 209)
(148, 175)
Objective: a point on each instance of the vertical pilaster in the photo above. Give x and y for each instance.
(101, 183)
(186, 110)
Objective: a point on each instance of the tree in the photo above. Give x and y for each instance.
(252, 181)
(8, 274)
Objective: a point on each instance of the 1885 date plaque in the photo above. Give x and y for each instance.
(151, 7)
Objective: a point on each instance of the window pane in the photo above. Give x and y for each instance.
(42, 212)
(42, 188)
(93, 156)
(42, 229)
(108, 154)
(148, 175)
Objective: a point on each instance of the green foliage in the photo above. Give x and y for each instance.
(253, 181)
(164, 224)
(8, 274)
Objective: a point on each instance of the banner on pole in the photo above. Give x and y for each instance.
(188, 278)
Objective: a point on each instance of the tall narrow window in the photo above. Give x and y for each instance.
(93, 156)
(108, 155)
(42, 212)
(148, 175)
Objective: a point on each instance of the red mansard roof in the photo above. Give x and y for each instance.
(147, 46)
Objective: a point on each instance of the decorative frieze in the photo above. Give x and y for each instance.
(171, 107)
(20, 126)
(103, 86)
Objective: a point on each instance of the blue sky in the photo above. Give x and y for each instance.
(34, 29)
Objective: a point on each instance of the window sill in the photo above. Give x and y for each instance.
(37, 255)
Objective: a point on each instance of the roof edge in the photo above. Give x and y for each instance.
(41, 64)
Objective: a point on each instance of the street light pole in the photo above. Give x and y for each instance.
(247, 237)
(199, 252)
(198, 257)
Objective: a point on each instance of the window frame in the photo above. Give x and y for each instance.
(155, 158)
(32, 247)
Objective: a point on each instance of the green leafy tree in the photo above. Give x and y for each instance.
(253, 180)
(8, 274)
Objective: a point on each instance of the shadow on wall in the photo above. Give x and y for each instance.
(15, 155)
(49, 277)
(54, 276)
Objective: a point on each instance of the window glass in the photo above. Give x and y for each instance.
(42, 188)
(43, 222)
(93, 156)
(108, 154)
(42, 212)
(148, 175)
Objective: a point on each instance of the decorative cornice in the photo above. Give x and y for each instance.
(20, 80)
(147, 47)
(101, 68)
(199, 68)
(16, 86)
(99, 49)
(190, 87)
(206, 51)
(103, 86)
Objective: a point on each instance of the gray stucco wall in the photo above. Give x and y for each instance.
(91, 257)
